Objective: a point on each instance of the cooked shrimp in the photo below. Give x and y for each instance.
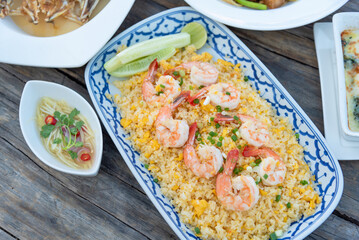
(251, 129)
(220, 94)
(168, 87)
(272, 169)
(207, 162)
(171, 132)
(201, 73)
(240, 193)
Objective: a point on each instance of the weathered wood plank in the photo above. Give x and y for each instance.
(35, 205)
(5, 236)
(334, 228)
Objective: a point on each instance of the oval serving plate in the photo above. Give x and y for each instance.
(221, 43)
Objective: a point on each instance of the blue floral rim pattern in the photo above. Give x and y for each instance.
(222, 44)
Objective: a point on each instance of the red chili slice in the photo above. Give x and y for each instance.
(50, 120)
(85, 157)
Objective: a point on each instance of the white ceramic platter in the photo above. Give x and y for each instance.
(73, 49)
(293, 14)
(343, 148)
(33, 92)
(221, 43)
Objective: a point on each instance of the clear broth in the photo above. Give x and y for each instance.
(57, 27)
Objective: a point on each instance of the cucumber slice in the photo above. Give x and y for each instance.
(198, 34)
(142, 64)
(147, 48)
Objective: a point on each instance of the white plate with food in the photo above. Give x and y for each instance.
(137, 115)
(59, 36)
(61, 128)
(346, 32)
(289, 15)
(343, 148)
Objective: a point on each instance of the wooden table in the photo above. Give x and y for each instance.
(37, 202)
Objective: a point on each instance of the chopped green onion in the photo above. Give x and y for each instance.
(258, 180)
(158, 93)
(155, 180)
(196, 229)
(252, 164)
(220, 138)
(190, 87)
(176, 73)
(234, 137)
(217, 125)
(146, 165)
(236, 171)
(212, 119)
(265, 176)
(246, 79)
(200, 87)
(213, 134)
(234, 130)
(304, 182)
(213, 141)
(181, 82)
(220, 170)
(289, 205)
(236, 118)
(297, 135)
(162, 86)
(196, 134)
(196, 101)
(219, 144)
(182, 73)
(258, 161)
(226, 109)
(209, 138)
(219, 109)
(280, 187)
(277, 198)
(199, 139)
(273, 236)
(228, 93)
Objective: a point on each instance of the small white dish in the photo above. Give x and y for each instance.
(341, 22)
(33, 91)
(293, 14)
(69, 50)
(342, 148)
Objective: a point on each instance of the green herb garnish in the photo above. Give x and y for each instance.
(57, 141)
(196, 101)
(289, 205)
(162, 86)
(236, 118)
(217, 125)
(155, 180)
(181, 82)
(219, 144)
(228, 93)
(46, 130)
(265, 176)
(304, 182)
(72, 154)
(234, 137)
(273, 236)
(197, 230)
(246, 79)
(221, 170)
(277, 198)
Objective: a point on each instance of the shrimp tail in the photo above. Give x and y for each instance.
(178, 100)
(152, 69)
(250, 151)
(232, 158)
(192, 133)
(223, 118)
(198, 95)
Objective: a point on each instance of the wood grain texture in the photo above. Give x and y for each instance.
(37, 202)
